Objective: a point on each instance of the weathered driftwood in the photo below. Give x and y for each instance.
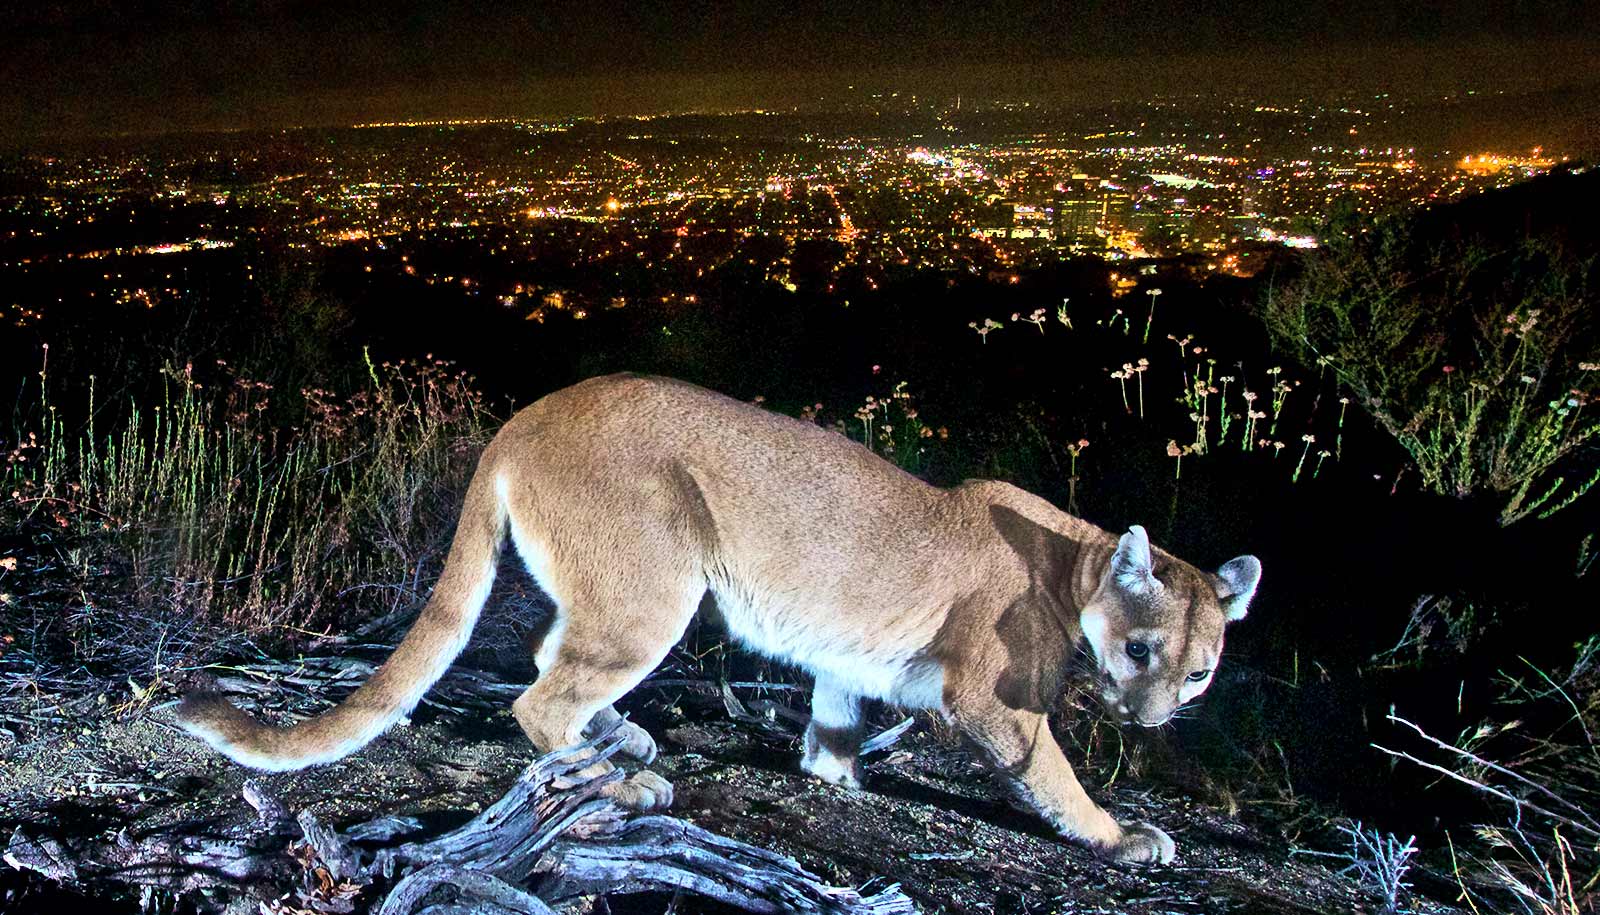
(664, 853)
(553, 830)
(188, 857)
(489, 894)
(43, 855)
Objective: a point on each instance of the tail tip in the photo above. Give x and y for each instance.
(211, 718)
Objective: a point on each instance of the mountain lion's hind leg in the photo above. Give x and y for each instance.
(833, 739)
(609, 639)
(555, 708)
(636, 741)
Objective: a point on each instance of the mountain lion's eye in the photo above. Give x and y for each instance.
(1199, 675)
(1138, 650)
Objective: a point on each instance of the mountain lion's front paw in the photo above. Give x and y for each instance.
(642, 791)
(846, 773)
(1142, 843)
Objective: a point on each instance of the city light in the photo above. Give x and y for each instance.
(1493, 163)
(1148, 181)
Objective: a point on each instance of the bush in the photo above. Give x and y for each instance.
(1480, 362)
(1377, 860)
(259, 526)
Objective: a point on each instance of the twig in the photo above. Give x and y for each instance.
(1489, 789)
(1577, 713)
(1593, 827)
(887, 738)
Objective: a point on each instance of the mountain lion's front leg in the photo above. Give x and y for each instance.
(833, 739)
(1021, 747)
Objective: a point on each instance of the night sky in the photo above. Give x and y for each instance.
(92, 67)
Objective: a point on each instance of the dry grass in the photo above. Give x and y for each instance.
(224, 513)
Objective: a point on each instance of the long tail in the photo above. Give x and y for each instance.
(438, 635)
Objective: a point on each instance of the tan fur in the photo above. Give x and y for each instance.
(631, 497)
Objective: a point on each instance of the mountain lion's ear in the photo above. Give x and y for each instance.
(1236, 584)
(1131, 564)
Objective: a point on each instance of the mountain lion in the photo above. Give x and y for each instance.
(630, 497)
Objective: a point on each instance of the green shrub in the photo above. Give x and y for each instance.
(1480, 362)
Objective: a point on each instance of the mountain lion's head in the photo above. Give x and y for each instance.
(1155, 626)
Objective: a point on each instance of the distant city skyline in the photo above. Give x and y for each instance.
(582, 216)
(94, 69)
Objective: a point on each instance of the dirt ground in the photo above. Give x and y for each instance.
(930, 818)
(88, 749)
